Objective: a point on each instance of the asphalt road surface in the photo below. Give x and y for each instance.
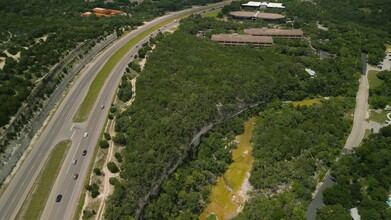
(61, 127)
(354, 140)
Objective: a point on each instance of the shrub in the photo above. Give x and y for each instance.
(112, 167)
(118, 156)
(97, 171)
(103, 144)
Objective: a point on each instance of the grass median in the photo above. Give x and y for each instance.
(93, 92)
(35, 202)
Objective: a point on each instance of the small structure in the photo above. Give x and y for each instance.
(237, 40)
(256, 15)
(354, 214)
(311, 72)
(284, 33)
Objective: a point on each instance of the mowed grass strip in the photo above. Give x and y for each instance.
(374, 82)
(212, 14)
(93, 92)
(35, 202)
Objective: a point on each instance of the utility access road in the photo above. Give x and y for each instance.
(61, 127)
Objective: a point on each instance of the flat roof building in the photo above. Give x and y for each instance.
(256, 15)
(263, 4)
(237, 40)
(284, 33)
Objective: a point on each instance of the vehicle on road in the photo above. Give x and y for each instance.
(84, 152)
(85, 134)
(75, 176)
(102, 107)
(58, 198)
(74, 161)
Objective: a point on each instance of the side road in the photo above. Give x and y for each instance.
(355, 137)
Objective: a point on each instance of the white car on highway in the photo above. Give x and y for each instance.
(85, 134)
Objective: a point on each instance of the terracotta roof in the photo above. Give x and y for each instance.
(242, 38)
(249, 14)
(268, 32)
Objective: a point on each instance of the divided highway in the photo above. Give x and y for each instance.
(84, 136)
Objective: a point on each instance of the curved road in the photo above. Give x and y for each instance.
(61, 127)
(354, 140)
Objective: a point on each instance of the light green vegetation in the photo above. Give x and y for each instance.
(374, 82)
(94, 90)
(378, 117)
(226, 197)
(306, 102)
(211, 217)
(212, 13)
(35, 202)
(388, 46)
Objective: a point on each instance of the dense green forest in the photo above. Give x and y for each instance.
(380, 96)
(293, 148)
(44, 31)
(189, 82)
(367, 22)
(363, 180)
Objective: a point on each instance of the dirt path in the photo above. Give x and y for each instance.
(107, 187)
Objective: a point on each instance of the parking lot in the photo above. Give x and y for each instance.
(386, 63)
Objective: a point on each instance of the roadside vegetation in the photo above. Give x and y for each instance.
(35, 202)
(34, 37)
(362, 180)
(189, 82)
(380, 94)
(93, 92)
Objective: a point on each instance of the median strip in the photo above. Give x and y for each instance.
(93, 92)
(34, 204)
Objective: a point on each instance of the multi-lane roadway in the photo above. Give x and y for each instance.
(61, 127)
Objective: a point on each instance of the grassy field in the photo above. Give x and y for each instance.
(94, 90)
(378, 117)
(388, 46)
(306, 102)
(35, 202)
(374, 82)
(212, 13)
(229, 185)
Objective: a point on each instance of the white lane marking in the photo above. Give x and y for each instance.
(69, 167)
(73, 125)
(73, 134)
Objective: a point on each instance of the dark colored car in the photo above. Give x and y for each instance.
(58, 198)
(75, 176)
(84, 153)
